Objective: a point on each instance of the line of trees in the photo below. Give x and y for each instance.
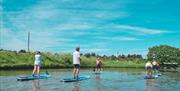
(20, 51)
(113, 57)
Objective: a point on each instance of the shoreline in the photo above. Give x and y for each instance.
(57, 67)
(83, 67)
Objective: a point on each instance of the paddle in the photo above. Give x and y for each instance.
(47, 72)
(94, 69)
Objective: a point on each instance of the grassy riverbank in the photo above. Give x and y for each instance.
(12, 59)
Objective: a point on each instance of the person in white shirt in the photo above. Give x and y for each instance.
(37, 63)
(76, 62)
(148, 67)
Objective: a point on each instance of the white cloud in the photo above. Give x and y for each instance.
(74, 26)
(125, 38)
(9, 40)
(120, 38)
(96, 50)
(141, 29)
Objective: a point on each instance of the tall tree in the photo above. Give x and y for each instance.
(164, 53)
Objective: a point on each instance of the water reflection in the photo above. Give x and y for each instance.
(98, 82)
(35, 85)
(75, 86)
(106, 81)
(151, 85)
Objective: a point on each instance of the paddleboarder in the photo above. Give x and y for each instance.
(148, 67)
(155, 66)
(76, 62)
(37, 63)
(98, 64)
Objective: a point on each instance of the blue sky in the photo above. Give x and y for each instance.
(100, 26)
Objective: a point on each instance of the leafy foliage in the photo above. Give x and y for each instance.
(164, 53)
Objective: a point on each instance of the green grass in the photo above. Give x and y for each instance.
(129, 64)
(10, 59)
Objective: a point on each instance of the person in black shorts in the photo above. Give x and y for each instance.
(98, 64)
(76, 62)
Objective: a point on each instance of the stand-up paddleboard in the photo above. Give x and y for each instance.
(97, 73)
(151, 77)
(159, 74)
(74, 80)
(26, 78)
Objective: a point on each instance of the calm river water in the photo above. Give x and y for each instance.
(118, 79)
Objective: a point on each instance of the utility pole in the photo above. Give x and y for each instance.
(117, 56)
(28, 40)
